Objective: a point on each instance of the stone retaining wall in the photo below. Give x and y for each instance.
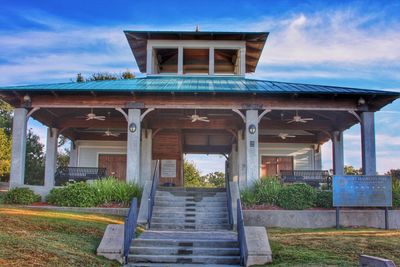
(320, 218)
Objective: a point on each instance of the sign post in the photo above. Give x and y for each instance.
(362, 191)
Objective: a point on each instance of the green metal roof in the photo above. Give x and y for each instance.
(199, 84)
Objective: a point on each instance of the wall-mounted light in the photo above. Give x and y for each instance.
(361, 101)
(252, 129)
(132, 127)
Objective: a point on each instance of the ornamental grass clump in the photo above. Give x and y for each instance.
(111, 190)
(267, 189)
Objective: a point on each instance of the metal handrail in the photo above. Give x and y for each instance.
(152, 195)
(130, 228)
(241, 234)
(229, 199)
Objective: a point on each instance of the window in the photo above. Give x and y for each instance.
(196, 61)
(226, 61)
(165, 60)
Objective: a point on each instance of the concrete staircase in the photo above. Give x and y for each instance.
(188, 227)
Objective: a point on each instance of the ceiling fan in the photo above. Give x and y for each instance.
(297, 118)
(196, 117)
(93, 116)
(109, 133)
(285, 135)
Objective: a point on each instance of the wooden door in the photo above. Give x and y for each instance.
(271, 166)
(115, 165)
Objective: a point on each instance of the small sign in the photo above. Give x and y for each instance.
(168, 168)
(252, 144)
(362, 191)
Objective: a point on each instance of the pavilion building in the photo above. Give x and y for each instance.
(194, 98)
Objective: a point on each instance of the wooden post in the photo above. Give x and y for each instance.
(180, 60)
(211, 61)
(146, 156)
(241, 160)
(337, 153)
(133, 146)
(368, 143)
(251, 135)
(17, 175)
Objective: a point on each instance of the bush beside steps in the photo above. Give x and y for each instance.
(100, 192)
(21, 196)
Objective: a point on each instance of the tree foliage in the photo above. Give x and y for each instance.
(350, 170)
(5, 117)
(34, 161)
(216, 179)
(193, 178)
(105, 76)
(5, 155)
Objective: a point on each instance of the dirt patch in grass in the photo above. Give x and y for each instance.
(330, 247)
(49, 238)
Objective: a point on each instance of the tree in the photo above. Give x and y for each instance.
(6, 117)
(79, 78)
(5, 155)
(34, 161)
(215, 179)
(102, 76)
(192, 175)
(350, 170)
(127, 75)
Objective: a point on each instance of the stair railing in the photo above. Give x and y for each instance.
(229, 199)
(152, 194)
(130, 227)
(241, 234)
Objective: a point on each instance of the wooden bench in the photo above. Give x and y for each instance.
(310, 177)
(77, 174)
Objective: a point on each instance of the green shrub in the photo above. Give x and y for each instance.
(323, 199)
(296, 197)
(110, 190)
(23, 196)
(267, 190)
(74, 195)
(248, 197)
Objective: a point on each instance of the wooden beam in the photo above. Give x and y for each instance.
(189, 102)
(207, 149)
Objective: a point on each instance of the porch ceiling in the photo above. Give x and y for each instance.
(221, 129)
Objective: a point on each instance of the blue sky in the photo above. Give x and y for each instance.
(349, 43)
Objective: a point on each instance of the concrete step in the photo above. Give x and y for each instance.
(177, 265)
(191, 199)
(189, 226)
(187, 219)
(184, 259)
(189, 204)
(190, 194)
(220, 235)
(191, 189)
(194, 214)
(195, 209)
(184, 250)
(194, 243)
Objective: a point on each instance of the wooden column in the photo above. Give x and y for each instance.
(252, 164)
(51, 157)
(180, 60)
(368, 143)
(133, 147)
(17, 175)
(337, 153)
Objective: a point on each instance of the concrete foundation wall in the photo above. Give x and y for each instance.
(320, 218)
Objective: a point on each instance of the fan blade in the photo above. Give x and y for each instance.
(100, 118)
(308, 119)
(115, 134)
(194, 120)
(291, 121)
(89, 118)
(205, 120)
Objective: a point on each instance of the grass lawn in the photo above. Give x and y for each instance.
(329, 247)
(49, 238)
